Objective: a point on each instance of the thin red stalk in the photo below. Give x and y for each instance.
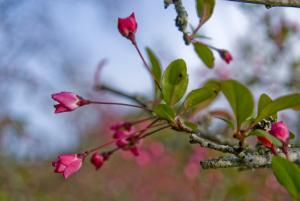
(146, 65)
(122, 104)
(99, 147)
(191, 37)
(142, 120)
(152, 132)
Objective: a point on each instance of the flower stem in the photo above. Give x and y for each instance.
(121, 104)
(146, 65)
(99, 147)
(152, 132)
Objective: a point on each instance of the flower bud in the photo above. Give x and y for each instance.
(67, 101)
(127, 27)
(280, 130)
(226, 56)
(97, 160)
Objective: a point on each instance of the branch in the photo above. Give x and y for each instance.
(181, 20)
(272, 3)
(212, 145)
(248, 160)
(120, 93)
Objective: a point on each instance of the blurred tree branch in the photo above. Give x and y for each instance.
(272, 3)
(134, 98)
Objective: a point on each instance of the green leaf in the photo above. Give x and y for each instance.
(190, 125)
(198, 96)
(155, 67)
(264, 99)
(164, 111)
(287, 174)
(263, 133)
(240, 100)
(227, 121)
(281, 103)
(205, 54)
(215, 85)
(292, 135)
(205, 9)
(174, 81)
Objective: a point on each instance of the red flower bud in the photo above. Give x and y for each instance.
(97, 160)
(280, 131)
(226, 56)
(127, 27)
(67, 164)
(68, 101)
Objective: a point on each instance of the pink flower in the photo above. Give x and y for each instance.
(280, 131)
(127, 27)
(67, 101)
(226, 56)
(97, 160)
(67, 164)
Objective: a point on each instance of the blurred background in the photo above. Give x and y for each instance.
(52, 46)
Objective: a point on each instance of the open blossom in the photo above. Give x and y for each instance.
(67, 101)
(128, 26)
(67, 164)
(226, 56)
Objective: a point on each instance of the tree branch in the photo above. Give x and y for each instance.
(181, 20)
(248, 160)
(212, 145)
(120, 93)
(272, 3)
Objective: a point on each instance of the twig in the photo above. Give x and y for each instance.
(181, 20)
(119, 93)
(272, 3)
(212, 145)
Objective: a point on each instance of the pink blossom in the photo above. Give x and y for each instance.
(226, 56)
(127, 27)
(97, 160)
(68, 101)
(67, 164)
(280, 131)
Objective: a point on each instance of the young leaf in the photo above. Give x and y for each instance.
(155, 64)
(155, 67)
(263, 133)
(264, 99)
(240, 100)
(190, 125)
(198, 96)
(174, 81)
(205, 54)
(205, 9)
(227, 121)
(215, 85)
(278, 104)
(287, 174)
(164, 111)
